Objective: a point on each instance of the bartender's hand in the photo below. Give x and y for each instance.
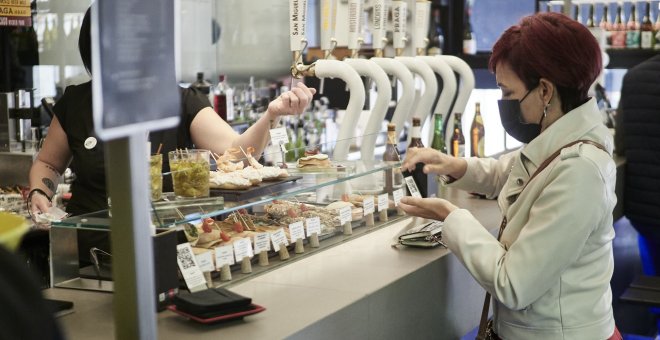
(39, 204)
(430, 208)
(292, 102)
(435, 162)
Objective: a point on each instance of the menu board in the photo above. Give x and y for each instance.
(15, 13)
(134, 86)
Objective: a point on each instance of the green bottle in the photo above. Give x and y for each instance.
(438, 137)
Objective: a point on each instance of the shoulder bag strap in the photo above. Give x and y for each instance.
(481, 335)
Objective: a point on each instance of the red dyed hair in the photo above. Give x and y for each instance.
(554, 47)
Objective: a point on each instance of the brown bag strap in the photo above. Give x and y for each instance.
(481, 335)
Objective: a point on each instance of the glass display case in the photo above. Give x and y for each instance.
(307, 210)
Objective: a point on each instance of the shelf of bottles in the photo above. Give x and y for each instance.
(627, 39)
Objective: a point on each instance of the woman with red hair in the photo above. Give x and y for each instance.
(549, 269)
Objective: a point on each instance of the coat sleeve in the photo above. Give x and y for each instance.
(486, 175)
(553, 238)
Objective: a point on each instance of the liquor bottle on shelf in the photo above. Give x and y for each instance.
(646, 29)
(469, 39)
(457, 139)
(596, 30)
(393, 177)
(632, 29)
(421, 179)
(576, 13)
(436, 35)
(606, 26)
(203, 86)
(477, 134)
(438, 142)
(223, 99)
(618, 30)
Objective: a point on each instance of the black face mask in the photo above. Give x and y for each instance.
(512, 120)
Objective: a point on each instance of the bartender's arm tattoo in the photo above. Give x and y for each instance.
(49, 184)
(52, 169)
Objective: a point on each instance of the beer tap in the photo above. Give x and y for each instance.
(327, 69)
(395, 68)
(465, 87)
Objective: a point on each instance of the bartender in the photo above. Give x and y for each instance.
(71, 140)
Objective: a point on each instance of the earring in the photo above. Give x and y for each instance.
(545, 109)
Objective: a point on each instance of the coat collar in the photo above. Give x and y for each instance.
(574, 125)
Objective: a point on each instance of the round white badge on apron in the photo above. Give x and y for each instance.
(90, 143)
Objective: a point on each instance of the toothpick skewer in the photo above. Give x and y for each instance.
(160, 147)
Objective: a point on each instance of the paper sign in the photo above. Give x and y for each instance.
(205, 261)
(278, 237)
(368, 205)
(345, 215)
(313, 226)
(382, 202)
(297, 231)
(224, 255)
(412, 187)
(189, 268)
(279, 136)
(261, 242)
(242, 249)
(398, 194)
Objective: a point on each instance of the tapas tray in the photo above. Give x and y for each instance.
(261, 189)
(226, 317)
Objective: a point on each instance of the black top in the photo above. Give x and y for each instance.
(640, 129)
(74, 112)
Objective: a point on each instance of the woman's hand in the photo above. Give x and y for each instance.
(435, 162)
(431, 208)
(292, 102)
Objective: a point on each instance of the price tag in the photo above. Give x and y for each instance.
(242, 249)
(189, 268)
(205, 261)
(398, 194)
(261, 242)
(297, 231)
(279, 136)
(224, 255)
(345, 215)
(278, 237)
(382, 202)
(313, 226)
(368, 205)
(412, 187)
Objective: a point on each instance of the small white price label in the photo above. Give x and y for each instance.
(224, 255)
(368, 205)
(397, 194)
(205, 261)
(261, 242)
(383, 202)
(278, 237)
(189, 268)
(313, 226)
(242, 249)
(297, 231)
(412, 187)
(279, 136)
(345, 215)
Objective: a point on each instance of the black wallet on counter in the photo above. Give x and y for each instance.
(211, 302)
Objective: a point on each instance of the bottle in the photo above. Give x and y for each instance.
(469, 40)
(632, 29)
(220, 98)
(596, 30)
(477, 134)
(421, 179)
(438, 137)
(606, 27)
(457, 139)
(646, 29)
(201, 84)
(436, 35)
(618, 30)
(393, 177)
(576, 13)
